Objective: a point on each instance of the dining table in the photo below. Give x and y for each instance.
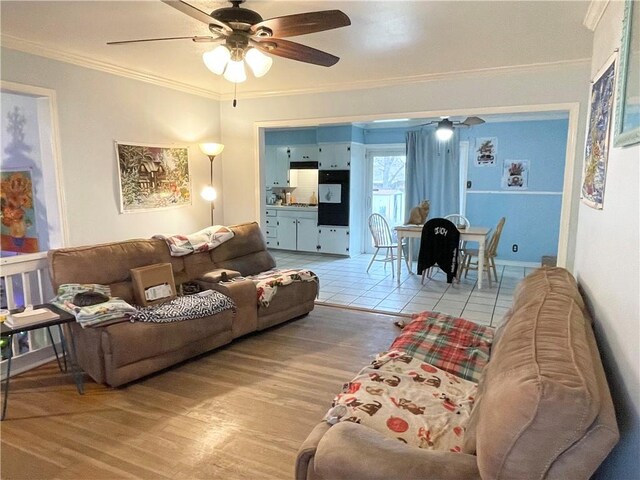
(469, 234)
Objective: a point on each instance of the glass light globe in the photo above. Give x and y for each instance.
(444, 133)
(258, 62)
(235, 71)
(216, 60)
(211, 149)
(208, 193)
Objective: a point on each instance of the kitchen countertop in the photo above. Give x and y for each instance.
(289, 207)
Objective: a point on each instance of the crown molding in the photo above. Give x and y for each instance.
(594, 13)
(35, 48)
(408, 80)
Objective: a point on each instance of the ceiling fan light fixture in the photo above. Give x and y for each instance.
(217, 59)
(259, 63)
(235, 71)
(445, 130)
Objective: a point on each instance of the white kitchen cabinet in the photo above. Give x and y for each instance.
(292, 229)
(335, 156)
(303, 153)
(277, 167)
(308, 234)
(333, 240)
(287, 231)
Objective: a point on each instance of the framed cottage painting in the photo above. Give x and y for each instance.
(153, 177)
(598, 135)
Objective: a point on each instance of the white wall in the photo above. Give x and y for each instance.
(483, 92)
(97, 108)
(607, 267)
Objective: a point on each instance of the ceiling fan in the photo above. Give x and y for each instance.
(444, 131)
(246, 35)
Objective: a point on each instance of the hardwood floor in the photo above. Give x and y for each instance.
(239, 412)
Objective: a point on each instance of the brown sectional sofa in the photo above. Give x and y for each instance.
(123, 351)
(543, 408)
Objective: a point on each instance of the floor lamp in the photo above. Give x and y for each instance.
(211, 150)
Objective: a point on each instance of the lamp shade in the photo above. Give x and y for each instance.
(211, 149)
(235, 71)
(258, 62)
(216, 60)
(445, 130)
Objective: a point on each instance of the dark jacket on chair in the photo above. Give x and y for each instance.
(439, 245)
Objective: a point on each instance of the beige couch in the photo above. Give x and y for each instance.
(543, 409)
(123, 351)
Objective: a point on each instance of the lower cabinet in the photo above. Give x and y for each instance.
(333, 240)
(308, 235)
(293, 230)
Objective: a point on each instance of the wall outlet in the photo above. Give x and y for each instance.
(514, 247)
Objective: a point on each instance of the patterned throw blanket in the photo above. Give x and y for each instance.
(455, 345)
(188, 307)
(114, 309)
(267, 283)
(202, 241)
(405, 398)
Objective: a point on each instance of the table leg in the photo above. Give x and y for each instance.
(76, 372)
(6, 380)
(410, 254)
(399, 257)
(481, 243)
(55, 351)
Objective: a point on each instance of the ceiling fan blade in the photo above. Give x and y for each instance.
(198, 14)
(303, 23)
(471, 121)
(197, 39)
(294, 51)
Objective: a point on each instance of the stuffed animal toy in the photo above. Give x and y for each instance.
(418, 215)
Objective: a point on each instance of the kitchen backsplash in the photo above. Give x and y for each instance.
(307, 184)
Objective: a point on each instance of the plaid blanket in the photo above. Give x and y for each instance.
(455, 345)
(267, 283)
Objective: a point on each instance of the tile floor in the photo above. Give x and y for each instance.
(345, 281)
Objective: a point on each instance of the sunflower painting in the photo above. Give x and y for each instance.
(18, 216)
(153, 177)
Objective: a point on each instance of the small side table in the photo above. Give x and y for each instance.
(8, 332)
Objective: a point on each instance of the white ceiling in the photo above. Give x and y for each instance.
(387, 41)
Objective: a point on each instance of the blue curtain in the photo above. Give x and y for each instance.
(433, 172)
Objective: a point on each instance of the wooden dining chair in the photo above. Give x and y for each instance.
(489, 255)
(382, 239)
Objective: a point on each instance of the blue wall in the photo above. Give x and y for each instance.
(533, 221)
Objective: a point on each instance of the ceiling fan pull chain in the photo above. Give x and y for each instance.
(235, 101)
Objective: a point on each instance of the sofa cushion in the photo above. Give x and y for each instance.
(248, 240)
(539, 392)
(106, 264)
(130, 342)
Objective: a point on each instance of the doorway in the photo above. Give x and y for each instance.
(385, 187)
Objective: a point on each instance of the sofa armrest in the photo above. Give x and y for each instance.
(243, 293)
(306, 452)
(350, 451)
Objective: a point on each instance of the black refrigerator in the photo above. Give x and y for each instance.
(333, 198)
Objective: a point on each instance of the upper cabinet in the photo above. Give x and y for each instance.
(277, 166)
(303, 153)
(335, 156)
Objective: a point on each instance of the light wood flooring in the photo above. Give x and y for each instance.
(239, 412)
